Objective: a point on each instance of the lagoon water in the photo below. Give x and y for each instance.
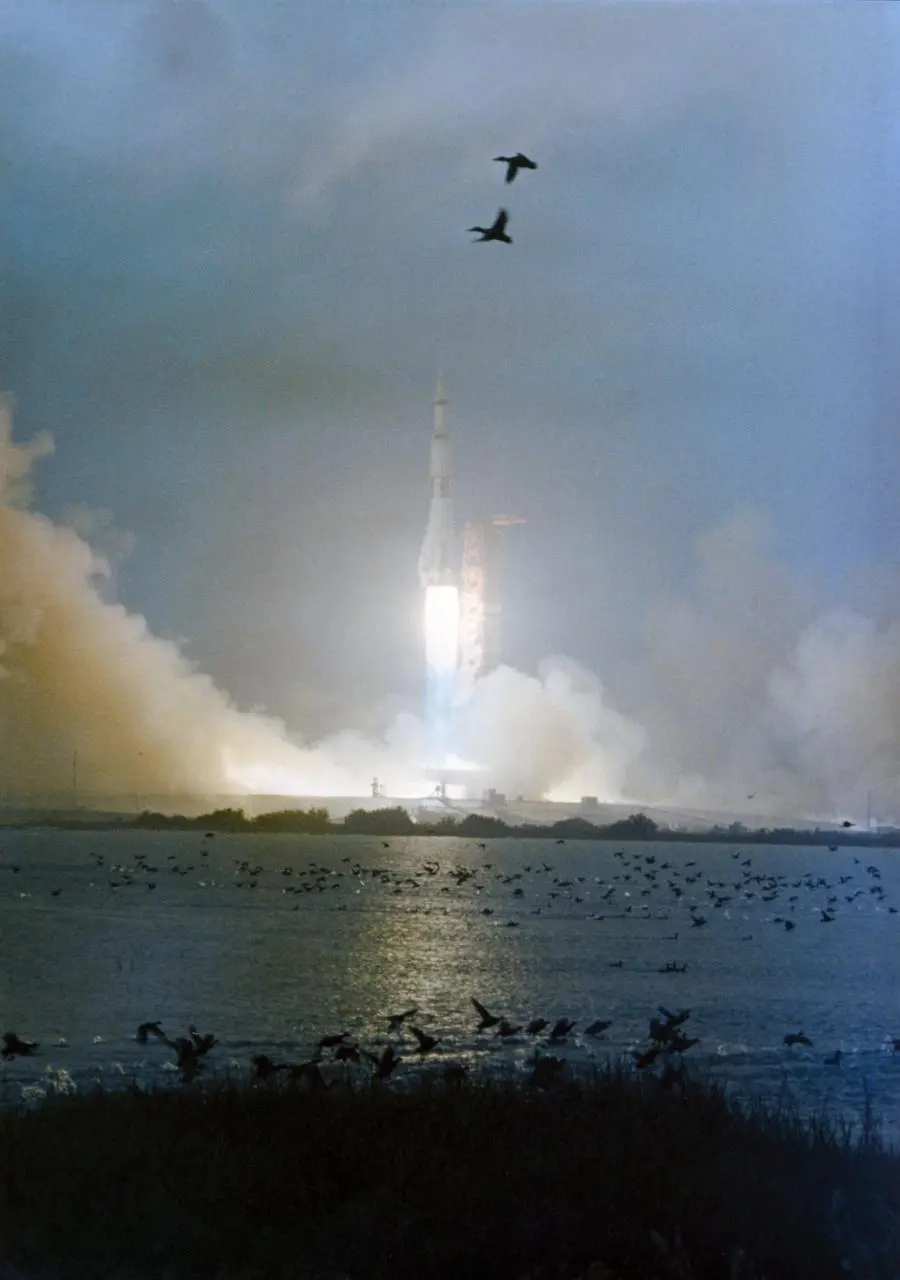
(333, 933)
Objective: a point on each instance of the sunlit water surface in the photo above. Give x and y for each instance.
(358, 930)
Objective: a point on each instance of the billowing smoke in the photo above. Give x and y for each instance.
(551, 736)
(755, 699)
(745, 697)
(90, 700)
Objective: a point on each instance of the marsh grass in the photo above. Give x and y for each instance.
(490, 1179)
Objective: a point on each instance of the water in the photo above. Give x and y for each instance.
(271, 968)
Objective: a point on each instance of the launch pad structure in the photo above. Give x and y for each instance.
(480, 597)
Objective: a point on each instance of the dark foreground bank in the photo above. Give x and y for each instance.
(616, 1178)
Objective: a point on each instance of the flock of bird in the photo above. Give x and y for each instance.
(667, 1044)
(497, 229)
(635, 881)
(643, 880)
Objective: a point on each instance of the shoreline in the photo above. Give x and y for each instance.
(397, 822)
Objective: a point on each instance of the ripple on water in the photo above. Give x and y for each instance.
(94, 961)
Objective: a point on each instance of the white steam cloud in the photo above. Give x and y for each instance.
(744, 691)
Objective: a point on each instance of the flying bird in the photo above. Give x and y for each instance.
(497, 230)
(507, 1029)
(426, 1042)
(396, 1020)
(487, 1019)
(385, 1064)
(13, 1047)
(597, 1028)
(561, 1029)
(514, 164)
(149, 1029)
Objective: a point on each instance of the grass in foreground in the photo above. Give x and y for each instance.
(485, 1181)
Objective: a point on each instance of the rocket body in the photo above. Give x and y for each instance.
(436, 559)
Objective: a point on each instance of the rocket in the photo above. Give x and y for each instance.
(436, 559)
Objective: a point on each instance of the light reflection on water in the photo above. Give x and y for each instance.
(272, 971)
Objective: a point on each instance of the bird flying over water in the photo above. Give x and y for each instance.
(426, 1042)
(149, 1029)
(396, 1020)
(487, 1019)
(514, 164)
(385, 1064)
(13, 1047)
(561, 1029)
(597, 1028)
(496, 231)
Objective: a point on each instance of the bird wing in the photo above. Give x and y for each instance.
(420, 1035)
(481, 1010)
(500, 221)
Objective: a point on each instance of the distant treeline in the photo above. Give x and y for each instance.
(398, 822)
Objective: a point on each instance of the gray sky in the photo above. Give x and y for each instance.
(234, 256)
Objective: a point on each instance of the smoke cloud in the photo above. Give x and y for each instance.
(745, 695)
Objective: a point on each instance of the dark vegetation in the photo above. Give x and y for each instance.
(481, 1180)
(397, 821)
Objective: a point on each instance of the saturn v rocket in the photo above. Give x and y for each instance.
(437, 559)
(438, 578)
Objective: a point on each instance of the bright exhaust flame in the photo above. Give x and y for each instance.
(441, 629)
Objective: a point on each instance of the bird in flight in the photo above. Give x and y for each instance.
(396, 1020)
(487, 1019)
(515, 163)
(497, 230)
(14, 1047)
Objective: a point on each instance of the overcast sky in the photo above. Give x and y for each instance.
(234, 255)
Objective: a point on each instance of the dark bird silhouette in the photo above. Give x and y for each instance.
(426, 1042)
(149, 1029)
(13, 1047)
(202, 1044)
(797, 1037)
(847, 823)
(384, 1065)
(646, 1057)
(497, 230)
(396, 1020)
(514, 164)
(536, 1025)
(597, 1028)
(507, 1029)
(487, 1019)
(675, 1019)
(561, 1029)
